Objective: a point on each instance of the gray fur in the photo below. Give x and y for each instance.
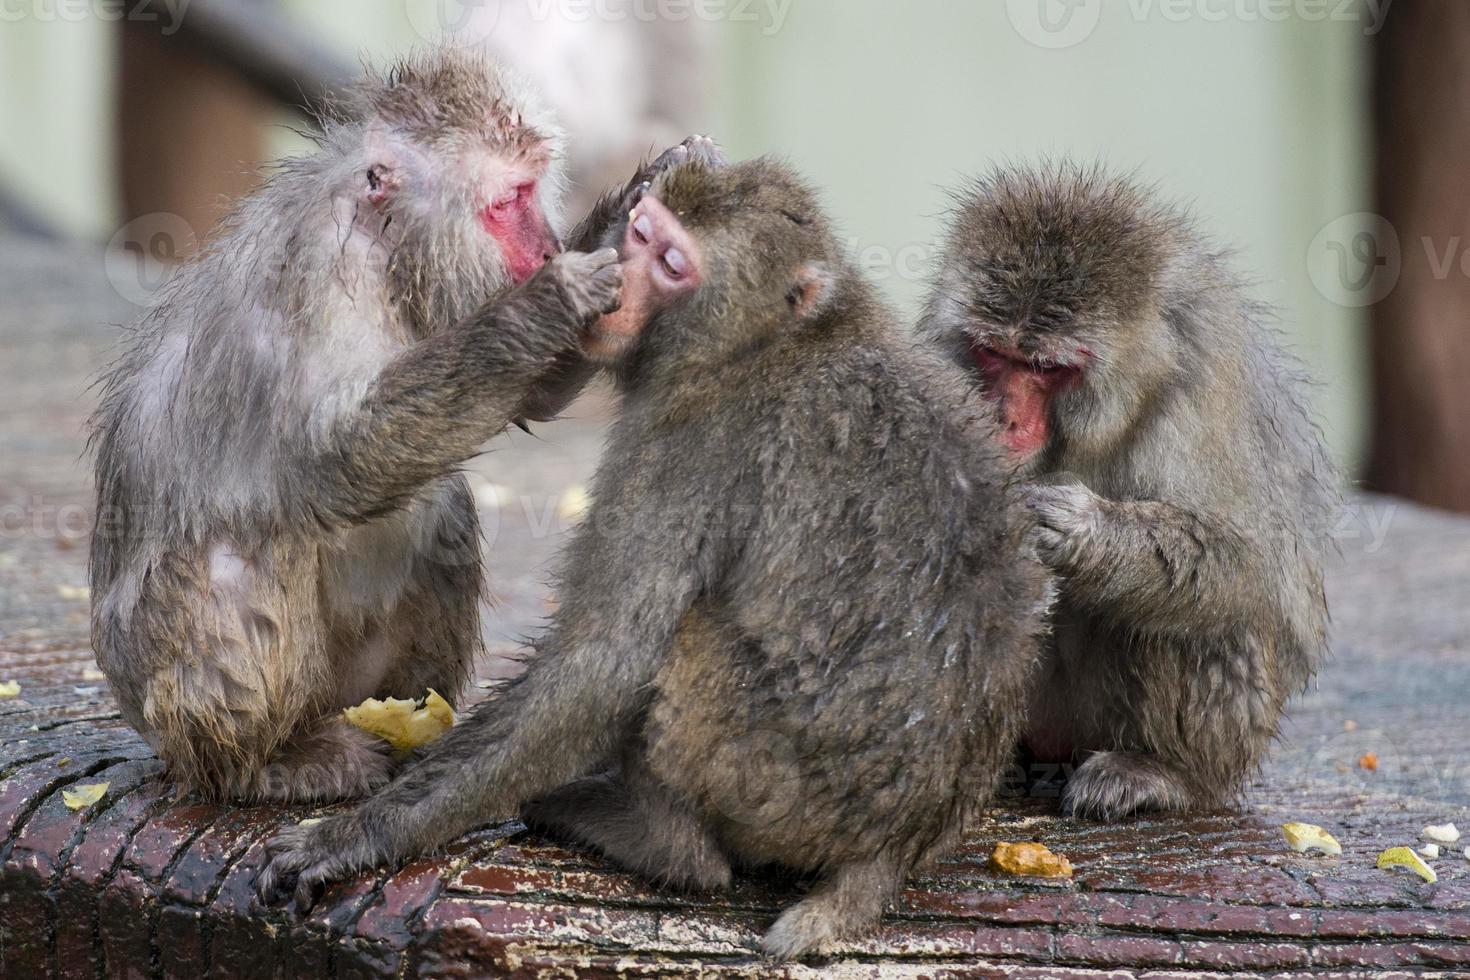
(282, 531)
(1181, 495)
(798, 610)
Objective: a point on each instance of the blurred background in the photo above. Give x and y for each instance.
(1324, 140)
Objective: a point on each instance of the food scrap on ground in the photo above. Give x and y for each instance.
(1430, 850)
(1403, 857)
(1368, 761)
(83, 795)
(9, 689)
(401, 723)
(1443, 833)
(74, 592)
(1304, 837)
(1030, 859)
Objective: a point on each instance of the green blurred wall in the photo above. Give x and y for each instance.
(1262, 126)
(1261, 123)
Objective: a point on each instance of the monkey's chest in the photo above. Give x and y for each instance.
(366, 571)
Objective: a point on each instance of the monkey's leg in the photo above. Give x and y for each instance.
(435, 631)
(236, 699)
(848, 901)
(637, 824)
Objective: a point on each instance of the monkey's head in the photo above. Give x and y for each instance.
(1048, 292)
(456, 168)
(718, 258)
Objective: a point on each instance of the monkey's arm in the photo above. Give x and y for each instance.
(433, 406)
(1150, 563)
(624, 595)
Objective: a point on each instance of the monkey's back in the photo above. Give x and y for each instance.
(858, 676)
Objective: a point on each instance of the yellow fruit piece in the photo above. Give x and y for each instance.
(1304, 837)
(401, 723)
(1402, 857)
(84, 795)
(1030, 859)
(9, 689)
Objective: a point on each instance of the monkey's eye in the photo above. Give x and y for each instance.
(674, 263)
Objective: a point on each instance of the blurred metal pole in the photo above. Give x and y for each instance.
(265, 47)
(193, 103)
(1421, 329)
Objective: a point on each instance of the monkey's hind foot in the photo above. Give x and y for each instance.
(644, 830)
(333, 762)
(847, 902)
(1109, 786)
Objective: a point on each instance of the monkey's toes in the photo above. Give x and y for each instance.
(1111, 786)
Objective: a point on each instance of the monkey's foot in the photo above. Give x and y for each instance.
(1109, 786)
(645, 832)
(848, 902)
(334, 762)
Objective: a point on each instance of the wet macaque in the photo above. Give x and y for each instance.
(282, 528)
(1176, 480)
(797, 627)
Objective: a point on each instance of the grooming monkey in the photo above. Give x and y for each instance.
(1177, 475)
(282, 531)
(797, 617)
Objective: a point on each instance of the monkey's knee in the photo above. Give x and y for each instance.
(638, 829)
(1110, 786)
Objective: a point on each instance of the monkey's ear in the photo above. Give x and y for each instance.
(812, 290)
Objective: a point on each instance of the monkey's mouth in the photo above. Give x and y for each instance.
(1023, 389)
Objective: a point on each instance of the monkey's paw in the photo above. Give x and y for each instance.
(696, 147)
(1068, 518)
(591, 282)
(805, 929)
(304, 859)
(1110, 786)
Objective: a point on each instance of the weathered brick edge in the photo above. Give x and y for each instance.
(142, 886)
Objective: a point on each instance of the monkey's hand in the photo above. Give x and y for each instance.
(304, 859)
(591, 283)
(1068, 518)
(696, 147)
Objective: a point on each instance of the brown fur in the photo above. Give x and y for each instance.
(798, 614)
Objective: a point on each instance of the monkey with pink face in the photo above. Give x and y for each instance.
(282, 531)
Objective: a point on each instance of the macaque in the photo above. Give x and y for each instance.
(798, 625)
(282, 528)
(1177, 477)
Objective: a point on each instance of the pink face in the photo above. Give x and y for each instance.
(519, 227)
(661, 262)
(1024, 390)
